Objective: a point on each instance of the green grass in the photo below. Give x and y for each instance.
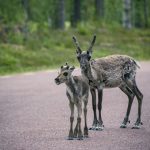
(46, 49)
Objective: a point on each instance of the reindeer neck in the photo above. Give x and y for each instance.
(88, 73)
(70, 83)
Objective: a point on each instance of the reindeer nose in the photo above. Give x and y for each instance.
(83, 66)
(57, 81)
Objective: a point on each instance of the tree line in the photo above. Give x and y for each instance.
(128, 13)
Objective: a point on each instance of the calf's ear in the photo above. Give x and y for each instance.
(72, 68)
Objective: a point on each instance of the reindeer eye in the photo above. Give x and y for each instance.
(65, 73)
(78, 57)
(89, 57)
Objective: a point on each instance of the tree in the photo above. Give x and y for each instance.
(58, 18)
(26, 6)
(145, 13)
(99, 8)
(76, 13)
(10, 11)
(127, 14)
(141, 13)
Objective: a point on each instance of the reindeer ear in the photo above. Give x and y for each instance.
(89, 55)
(67, 66)
(79, 51)
(89, 51)
(72, 68)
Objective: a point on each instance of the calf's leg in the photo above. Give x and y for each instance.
(85, 120)
(71, 135)
(79, 108)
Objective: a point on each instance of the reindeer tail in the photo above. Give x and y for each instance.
(136, 63)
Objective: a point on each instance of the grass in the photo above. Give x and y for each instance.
(47, 49)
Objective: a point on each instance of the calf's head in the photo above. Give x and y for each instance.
(65, 73)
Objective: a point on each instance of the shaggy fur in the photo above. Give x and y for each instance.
(111, 71)
(108, 72)
(77, 91)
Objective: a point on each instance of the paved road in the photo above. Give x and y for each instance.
(34, 115)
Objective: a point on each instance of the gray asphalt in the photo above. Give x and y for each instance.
(34, 115)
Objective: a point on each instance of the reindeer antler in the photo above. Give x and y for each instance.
(92, 43)
(77, 44)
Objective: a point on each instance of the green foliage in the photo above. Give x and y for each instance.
(30, 43)
(113, 11)
(11, 11)
(51, 48)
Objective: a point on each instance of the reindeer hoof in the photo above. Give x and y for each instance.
(97, 127)
(86, 136)
(123, 126)
(93, 127)
(70, 138)
(137, 125)
(100, 127)
(80, 138)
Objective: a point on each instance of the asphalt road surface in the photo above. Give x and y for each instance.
(34, 115)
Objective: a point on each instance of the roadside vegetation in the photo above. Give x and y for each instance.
(37, 35)
(47, 49)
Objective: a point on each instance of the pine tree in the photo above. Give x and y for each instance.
(99, 8)
(127, 14)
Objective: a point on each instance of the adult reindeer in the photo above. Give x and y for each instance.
(109, 72)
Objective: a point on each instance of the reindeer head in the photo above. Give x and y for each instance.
(65, 73)
(84, 56)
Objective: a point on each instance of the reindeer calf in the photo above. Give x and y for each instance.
(77, 92)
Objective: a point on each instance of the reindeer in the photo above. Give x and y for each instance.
(77, 92)
(109, 72)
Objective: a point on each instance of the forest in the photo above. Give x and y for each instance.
(37, 35)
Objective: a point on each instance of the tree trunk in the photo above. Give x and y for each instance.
(59, 18)
(76, 14)
(26, 6)
(99, 8)
(127, 14)
(138, 4)
(145, 13)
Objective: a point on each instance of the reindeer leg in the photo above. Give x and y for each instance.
(100, 125)
(95, 121)
(79, 107)
(85, 119)
(76, 130)
(71, 136)
(132, 85)
(139, 96)
(130, 95)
